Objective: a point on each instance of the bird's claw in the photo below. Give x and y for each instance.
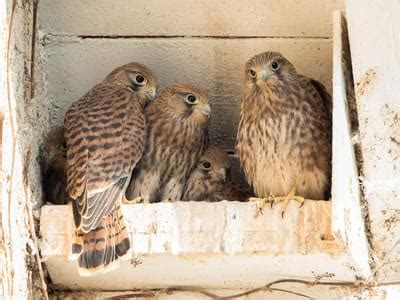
(273, 200)
(285, 199)
(261, 202)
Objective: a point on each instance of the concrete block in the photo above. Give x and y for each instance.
(290, 18)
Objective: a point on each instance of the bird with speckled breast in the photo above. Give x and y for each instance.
(105, 132)
(284, 135)
(178, 122)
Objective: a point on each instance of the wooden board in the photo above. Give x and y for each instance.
(347, 220)
(74, 65)
(290, 18)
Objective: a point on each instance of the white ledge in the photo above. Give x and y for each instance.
(215, 245)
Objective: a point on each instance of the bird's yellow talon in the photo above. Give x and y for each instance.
(261, 202)
(290, 196)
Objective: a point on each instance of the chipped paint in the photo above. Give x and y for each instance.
(365, 83)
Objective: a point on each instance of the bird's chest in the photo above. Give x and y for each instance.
(176, 152)
(274, 132)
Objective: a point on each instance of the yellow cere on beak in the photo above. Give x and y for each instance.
(204, 109)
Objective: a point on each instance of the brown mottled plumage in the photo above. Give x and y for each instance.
(178, 123)
(54, 179)
(284, 135)
(209, 180)
(105, 132)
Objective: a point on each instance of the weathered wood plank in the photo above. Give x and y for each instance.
(20, 267)
(73, 66)
(375, 49)
(188, 18)
(346, 211)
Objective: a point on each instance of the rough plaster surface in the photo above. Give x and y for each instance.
(288, 18)
(223, 245)
(376, 64)
(3, 26)
(20, 171)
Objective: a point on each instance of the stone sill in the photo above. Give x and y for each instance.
(214, 245)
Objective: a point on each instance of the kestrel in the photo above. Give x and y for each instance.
(105, 133)
(178, 123)
(284, 135)
(55, 179)
(210, 181)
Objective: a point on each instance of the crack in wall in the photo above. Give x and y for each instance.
(47, 38)
(198, 37)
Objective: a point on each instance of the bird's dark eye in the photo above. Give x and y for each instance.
(274, 66)
(140, 79)
(206, 165)
(191, 99)
(64, 145)
(253, 73)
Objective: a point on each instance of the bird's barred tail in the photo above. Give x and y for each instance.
(101, 249)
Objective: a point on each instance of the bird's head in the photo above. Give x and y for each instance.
(268, 68)
(136, 77)
(214, 165)
(186, 102)
(54, 143)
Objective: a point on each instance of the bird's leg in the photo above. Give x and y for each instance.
(290, 196)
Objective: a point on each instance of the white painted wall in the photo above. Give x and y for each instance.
(263, 18)
(375, 46)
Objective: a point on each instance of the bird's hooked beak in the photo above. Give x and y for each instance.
(265, 74)
(204, 109)
(222, 173)
(152, 93)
